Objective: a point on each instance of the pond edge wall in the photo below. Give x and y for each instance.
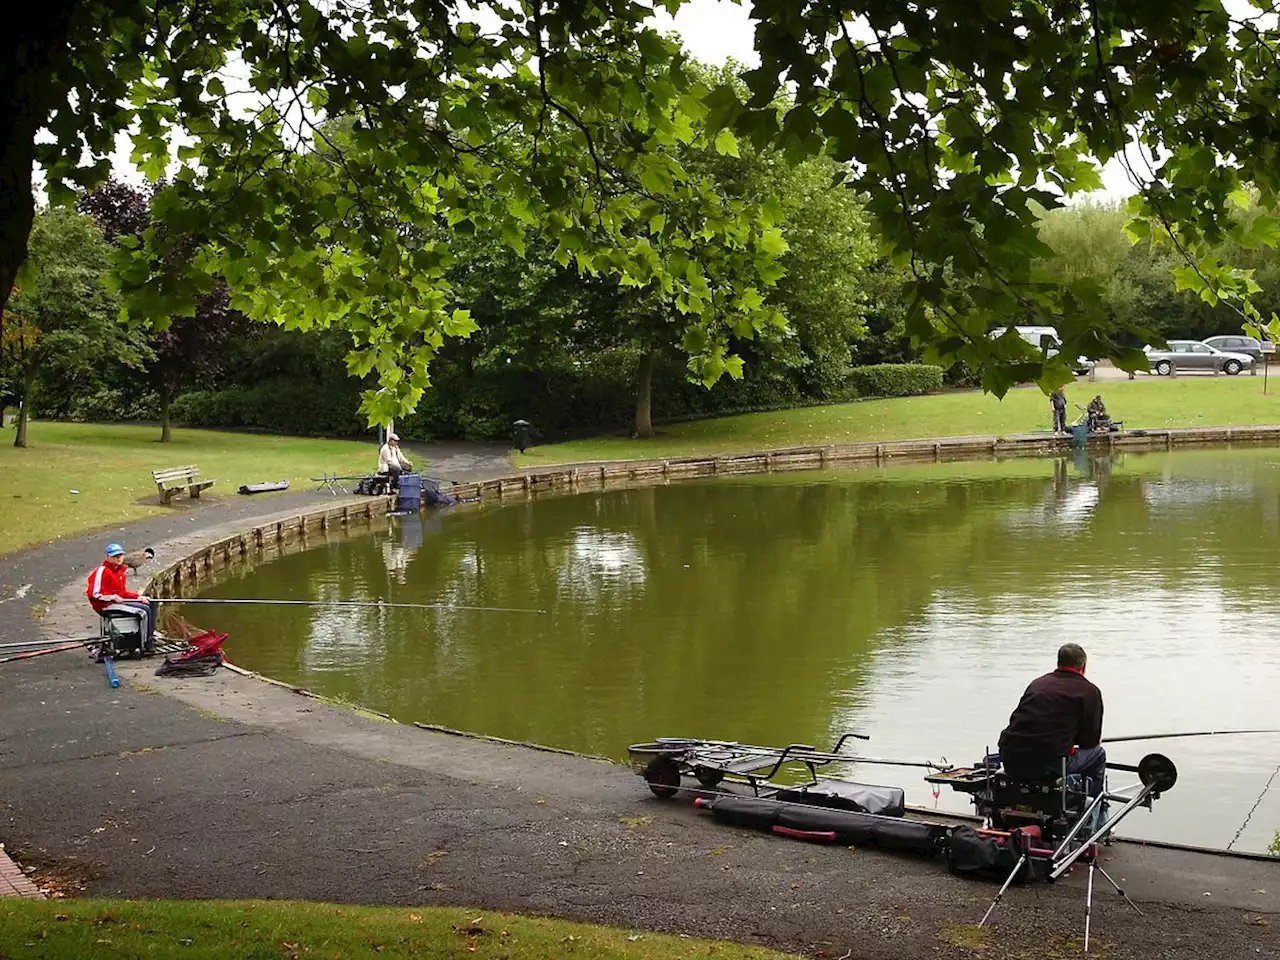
(574, 477)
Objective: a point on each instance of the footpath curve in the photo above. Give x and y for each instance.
(233, 788)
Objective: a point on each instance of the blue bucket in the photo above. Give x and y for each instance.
(409, 496)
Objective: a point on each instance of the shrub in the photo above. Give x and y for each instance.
(288, 407)
(895, 379)
(1274, 849)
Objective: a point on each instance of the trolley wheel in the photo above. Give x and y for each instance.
(663, 777)
(1155, 769)
(708, 777)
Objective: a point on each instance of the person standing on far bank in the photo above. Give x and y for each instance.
(1059, 400)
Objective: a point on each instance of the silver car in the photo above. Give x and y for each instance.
(1239, 343)
(1194, 355)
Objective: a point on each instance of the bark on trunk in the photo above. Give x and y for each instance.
(30, 50)
(24, 406)
(165, 402)
(643, 425)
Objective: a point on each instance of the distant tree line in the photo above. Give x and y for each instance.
(573, 353)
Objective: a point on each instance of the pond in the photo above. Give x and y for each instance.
(911, 603)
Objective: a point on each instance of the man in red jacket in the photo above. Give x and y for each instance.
(107, 592)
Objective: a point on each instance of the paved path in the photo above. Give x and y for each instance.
(462, 461)
(229, 787)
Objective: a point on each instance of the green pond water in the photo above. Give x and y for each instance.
(912, 604)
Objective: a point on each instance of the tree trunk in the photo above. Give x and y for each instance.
(24, 405)
(643, 425)
(30, 50)
(166, 401)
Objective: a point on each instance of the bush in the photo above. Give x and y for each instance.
(895, 379)
(560, 400)
(289, 407)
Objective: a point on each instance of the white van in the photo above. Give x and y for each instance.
(1042, 337)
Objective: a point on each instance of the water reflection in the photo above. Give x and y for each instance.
(913, 603)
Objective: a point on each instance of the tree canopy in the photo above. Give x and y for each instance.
(959, 121)
(62, 314)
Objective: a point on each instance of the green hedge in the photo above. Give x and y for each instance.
(287, 407)
(560, 401)
(895, 379)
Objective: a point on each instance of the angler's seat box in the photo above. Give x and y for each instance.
(409, 496)
(122, 631)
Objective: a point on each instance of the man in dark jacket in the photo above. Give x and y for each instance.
(1059, 715)
(1059, 400)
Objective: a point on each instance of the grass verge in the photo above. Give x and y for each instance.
(110, 468)
(1148, 402)
(283, 930)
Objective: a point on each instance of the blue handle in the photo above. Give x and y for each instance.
(111, 672)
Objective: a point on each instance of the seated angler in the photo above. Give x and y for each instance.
(1098, 417)
(1059, 716)
(392, 462)
(108, 593)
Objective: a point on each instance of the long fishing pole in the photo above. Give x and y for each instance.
(1170, 736)
(351, 603)
(45, 642)
(40, 653)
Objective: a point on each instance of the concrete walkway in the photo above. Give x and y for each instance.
(230, 787)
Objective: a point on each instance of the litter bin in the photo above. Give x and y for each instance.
(1079, 434)
(409, 497)
(522, 433)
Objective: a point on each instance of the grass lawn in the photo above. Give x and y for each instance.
(281, 930)
(1148, 402)
(111, 468)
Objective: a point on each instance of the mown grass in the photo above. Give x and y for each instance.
(75, 477)
(1148, 402)
(284, 930)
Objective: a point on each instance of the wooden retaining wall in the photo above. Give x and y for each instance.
(597, 476)
(276, 537)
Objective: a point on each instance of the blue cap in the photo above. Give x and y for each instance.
(115, 550)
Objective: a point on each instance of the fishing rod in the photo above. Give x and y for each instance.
(1170, 736)
(44, 643)
(350, 603)
(76, 645)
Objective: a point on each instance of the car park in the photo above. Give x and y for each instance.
(1188, 355)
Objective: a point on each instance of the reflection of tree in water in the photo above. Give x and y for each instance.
(741, 609)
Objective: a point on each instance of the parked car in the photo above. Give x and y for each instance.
(1238, 343)
(1047, 337)
(1194, 355)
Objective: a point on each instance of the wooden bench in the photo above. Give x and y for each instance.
(172, 479)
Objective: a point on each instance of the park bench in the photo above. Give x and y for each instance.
(172, 479)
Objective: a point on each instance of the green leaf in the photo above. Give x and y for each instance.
(726, 143)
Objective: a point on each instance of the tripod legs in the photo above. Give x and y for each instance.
(1088, 908)
(1007, 883)
(1118, 890)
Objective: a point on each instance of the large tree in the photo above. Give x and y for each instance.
(434, 93)
(957, 119)
(184, 350)
(62, 313)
